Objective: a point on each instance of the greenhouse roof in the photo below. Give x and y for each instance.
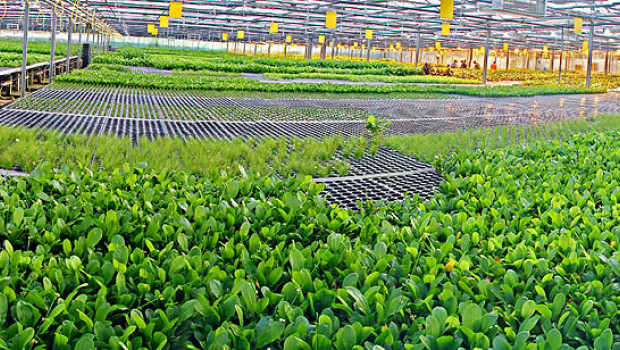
(520, 23)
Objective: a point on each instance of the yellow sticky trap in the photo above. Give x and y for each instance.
(321, 39)
(363, 46)
(289, 39)
(578, 25)
(331, 44)
(445, 29)
(398, 45)
(505, 46)
(225, 36)
(369, 34)
(331, 19)
(438, 45)
(391, 46)
(155, 31)
(176, 9)
(545, 48)
(151, 28)
(240, 34)
(446, 10)
(273, 28)
(355, 45)
(374, 48)
(585, 46)
(163, 21)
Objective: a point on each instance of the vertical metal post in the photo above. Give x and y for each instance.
(508, 59)
(334, 45)
(69, 32)
(22, 77)
(80, 41)
(607, 62)
(285, 47)
(486, 57)
(52, 69)
(471, 57)
(309, 51)
(368, 47)
(561, 58)
(552, 64)
(269, 50)
(590, 57)
(417, 50)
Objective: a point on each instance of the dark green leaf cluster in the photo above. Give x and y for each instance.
(519, 250)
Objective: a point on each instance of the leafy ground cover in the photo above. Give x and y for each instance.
(114, 78)
(35, 47)
(14, 60)
(11, 52)
(202, 60)
(27, 148)
(530, 77)
(428, 146)
(425, 79)
(517, 251)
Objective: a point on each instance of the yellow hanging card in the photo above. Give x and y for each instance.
(438, 45)
(163, 21)
(578, 25)
(321, 39)
(289, 39)
(505, 46)
(446, 9)
(240, 34)
(331, 19)
(176, 9)
(273, 28)
(445, 29)
(225, 36)
(369, 34)
(151, 28)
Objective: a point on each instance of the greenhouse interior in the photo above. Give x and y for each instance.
(312, 175)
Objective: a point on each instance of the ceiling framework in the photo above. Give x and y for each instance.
(391, 21)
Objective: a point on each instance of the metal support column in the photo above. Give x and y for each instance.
(607, 62)
(285, 49)
(268, 50)
(81, 28)
(486, 57)
(590, 56)
(507, 59)
(552, 61)
(334, 45)
(309, 50)
(52, 69)
(561, 58)
(22, 76)
(69, 32)
(368, 49)
(417, 49)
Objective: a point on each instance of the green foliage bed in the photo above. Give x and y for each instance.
(199, 60)
(114, 78)
(518, 250)
(11, 52)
